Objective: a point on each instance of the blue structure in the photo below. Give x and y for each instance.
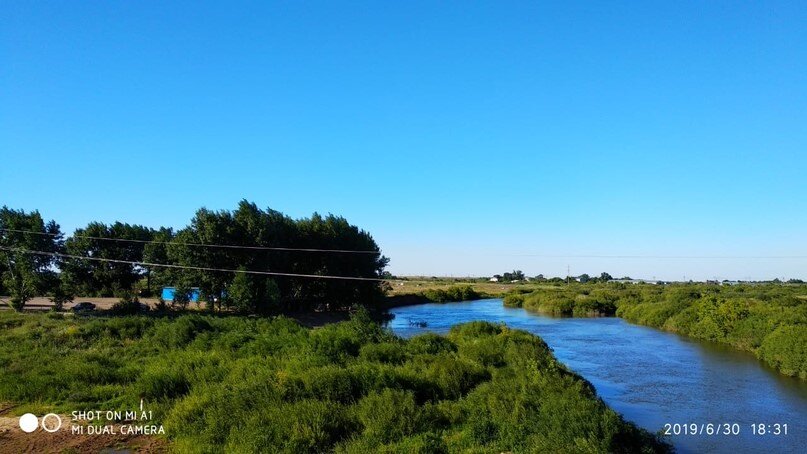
(168, 294)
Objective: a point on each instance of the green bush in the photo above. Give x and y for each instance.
(513, 300)
(388, 415)
(385, 352)
(430, 343)
(453, 293)
(786, 350)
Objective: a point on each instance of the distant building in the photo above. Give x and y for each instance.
(635, 281)
(493, 279)
(168, 294)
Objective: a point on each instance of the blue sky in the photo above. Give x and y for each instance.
(463, 135)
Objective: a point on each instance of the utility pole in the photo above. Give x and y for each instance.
(567, 274)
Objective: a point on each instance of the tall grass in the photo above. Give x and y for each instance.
(239, 384)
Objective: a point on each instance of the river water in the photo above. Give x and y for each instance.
(651, 377)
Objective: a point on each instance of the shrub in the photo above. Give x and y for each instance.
(453, 293)
(388, 415)
(514, 300)
(385, 352)
(786, 350)
(430, 343)
(182, 331)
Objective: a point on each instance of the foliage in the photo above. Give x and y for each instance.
(119, 258)
(62, 293)
(253, 294)
(243, 384)
(515, 275)
(453, 293)
(25, 275)
(250, 226)
(766, 319)
(786, 350)
(514, 300)
(182, 296)
(103, 278)
(129, 304)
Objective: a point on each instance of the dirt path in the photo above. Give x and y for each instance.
(42, 303)
(13, 440)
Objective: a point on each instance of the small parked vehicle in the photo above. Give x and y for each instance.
(84, 306)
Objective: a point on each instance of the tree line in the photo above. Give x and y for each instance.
(100, 260)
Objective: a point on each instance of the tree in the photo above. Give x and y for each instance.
(583, 278)
(182, 296)
(98, 240)
(243, 292)
(605, 277)
(62, 293)
(157, 252)
(516, 275)
(26, 274)
(252, 227)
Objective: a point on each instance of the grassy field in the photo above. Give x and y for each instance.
(417, 285)
(245, 384)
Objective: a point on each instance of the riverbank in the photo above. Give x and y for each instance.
(256, 384)
(768, 320)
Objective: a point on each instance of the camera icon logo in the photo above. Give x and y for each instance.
(29, 422)
(50, 422)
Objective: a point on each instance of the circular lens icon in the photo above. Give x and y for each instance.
(54, 422)
(29, 422)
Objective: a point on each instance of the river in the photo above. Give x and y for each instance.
(652, 377)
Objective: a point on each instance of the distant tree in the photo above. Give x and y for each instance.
(128, 304)
(605, 277)
(26, 274)
(182, 296)
(516, 275)
(62, 293)
(584, 278)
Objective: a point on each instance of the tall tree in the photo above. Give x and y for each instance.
(157, 252)
(26, 274)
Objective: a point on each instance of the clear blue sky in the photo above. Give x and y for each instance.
(460, 134)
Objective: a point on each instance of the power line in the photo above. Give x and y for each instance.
(179, 243)
(188, 267)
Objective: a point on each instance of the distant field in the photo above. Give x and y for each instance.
(416, 285)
